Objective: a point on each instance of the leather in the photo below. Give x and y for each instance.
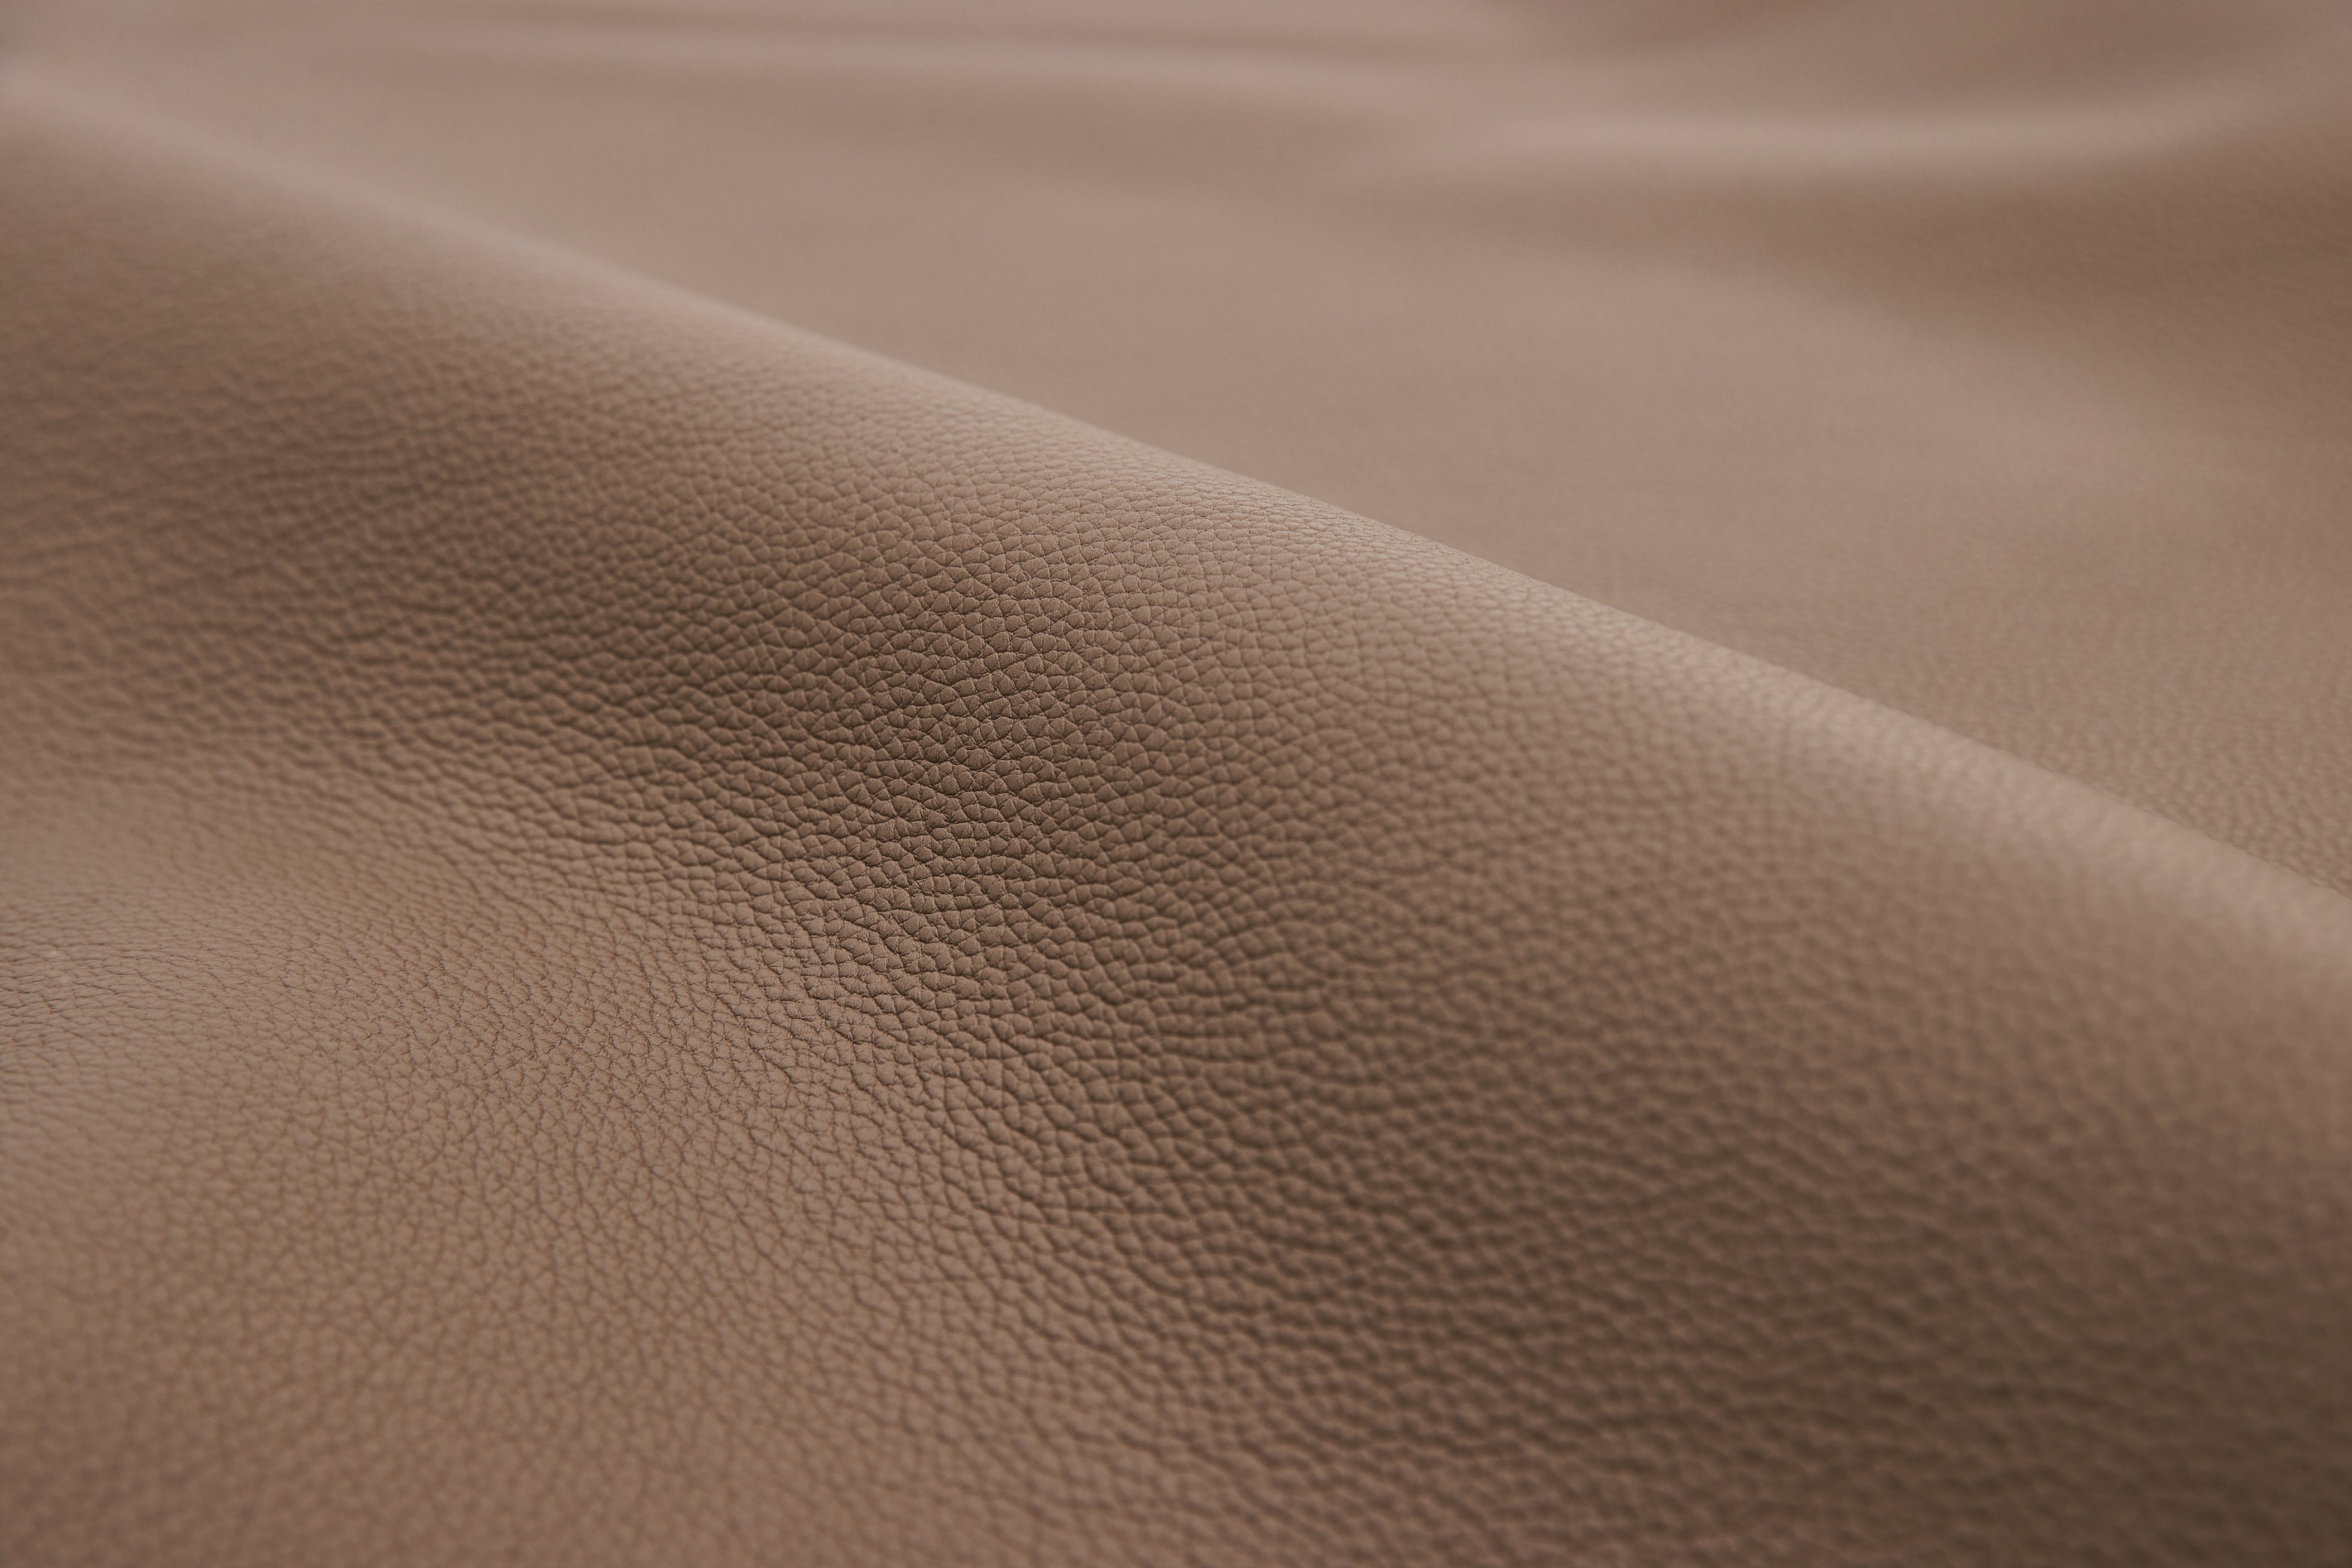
(636, 935)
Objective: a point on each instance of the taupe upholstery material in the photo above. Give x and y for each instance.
(634, 935)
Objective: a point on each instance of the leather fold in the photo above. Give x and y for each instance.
(635, 934)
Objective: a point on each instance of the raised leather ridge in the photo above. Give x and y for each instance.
(1986, 359)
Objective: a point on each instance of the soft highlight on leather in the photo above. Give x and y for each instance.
(636, 936)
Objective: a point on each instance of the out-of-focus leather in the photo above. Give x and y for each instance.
(634, 936)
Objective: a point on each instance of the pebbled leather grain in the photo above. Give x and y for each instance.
(634, 936)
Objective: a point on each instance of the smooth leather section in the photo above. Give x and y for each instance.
(634, 937)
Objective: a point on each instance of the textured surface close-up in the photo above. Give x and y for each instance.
(1102, 783)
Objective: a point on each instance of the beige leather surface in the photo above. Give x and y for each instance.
(635, 936)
